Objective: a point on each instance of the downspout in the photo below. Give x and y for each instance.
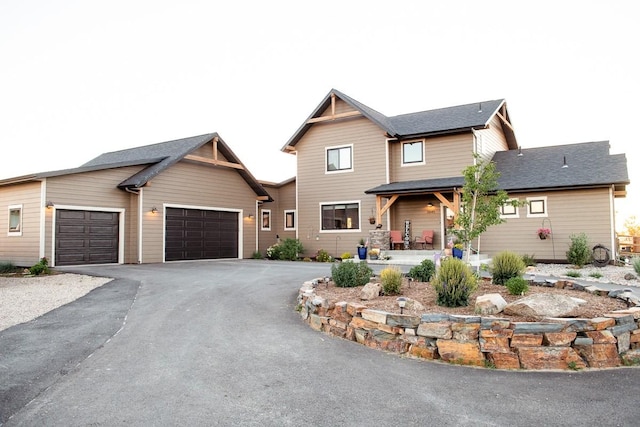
(387, 178)
(256, 227)
(43, 217)
(612, 214)
(139, 194)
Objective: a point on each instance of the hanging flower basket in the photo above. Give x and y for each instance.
(543, 233)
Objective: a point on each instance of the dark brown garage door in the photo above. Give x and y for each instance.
(200, 234)
(86, 237)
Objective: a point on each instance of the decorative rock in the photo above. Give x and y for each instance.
(403, 320)
(629, 276)
(526, 340)
(536, 327)
(430, 353)
(621, 318)
(467, 353)
(633, 311)
(624, 342)
(412, 304)
(354, 308)
(434, 317)
(461, 318)
(495, 341)
(465, 331)
(489, 304)
(494, 323)
(600, 323)
(541, 305)
(316, 322)
(435, 330)
(375, 315)
(360, 323)
(581, 341)
(550, 358)
(370, 291)
(599, 355)
(506, 360)
(385, 341)
(621, 329)
(558, 339)
(601, 337)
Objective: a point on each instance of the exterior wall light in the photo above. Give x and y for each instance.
(154, 210)
(49, 204)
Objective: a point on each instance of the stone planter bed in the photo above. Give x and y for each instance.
(611, 340)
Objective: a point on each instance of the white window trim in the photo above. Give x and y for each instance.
(262, 212)
(514, 215)
(537, 215)
(423, 162)
(17, 232)
(295, 222)
(341, 230)
(335, 147)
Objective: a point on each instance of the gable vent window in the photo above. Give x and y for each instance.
(413, 153)
(339, 159)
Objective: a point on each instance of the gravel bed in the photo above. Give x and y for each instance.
(610, 273)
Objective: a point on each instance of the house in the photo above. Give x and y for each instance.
(405, 173)
(178, 200)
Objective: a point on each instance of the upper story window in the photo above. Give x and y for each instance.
(537, 207)
(340, 216)
(289, 220)
(339, 159)
(15, 220)
(509, 210)
(413, 153)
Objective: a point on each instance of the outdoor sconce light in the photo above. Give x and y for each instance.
(49, 204)
(326, 280)
(402, 302)
(430, 207)
(317, 237)
(250, 216)
(154, 210)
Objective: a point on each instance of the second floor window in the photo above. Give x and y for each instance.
(412, 153)
(339, 159)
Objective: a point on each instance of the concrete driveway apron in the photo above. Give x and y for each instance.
(219, 343)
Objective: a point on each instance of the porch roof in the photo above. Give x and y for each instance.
(418, 186)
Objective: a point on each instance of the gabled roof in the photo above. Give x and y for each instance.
(461, 118)
(588, 165)
(156, 157)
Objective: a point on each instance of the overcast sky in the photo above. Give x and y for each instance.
(79, 78)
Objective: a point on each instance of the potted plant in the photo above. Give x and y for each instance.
(457, 250)
(372, 218)
(543, 233)
(362, 249)
(374, 253)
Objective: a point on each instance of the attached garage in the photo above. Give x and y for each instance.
(86, 237)
(192, 234)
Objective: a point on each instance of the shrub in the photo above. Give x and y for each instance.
(346, 255)
(505, 266)
(579, 253)
(273, 251)
(636, 265)
(391, 278)
(573, 273)
(596, 275)
(323, 256)
(7, 267)
(454, 283)
(42, 267)
(517, 286)
(290, 249)
(424, 271)
(529, 260)
(257, 255)
(351, 274)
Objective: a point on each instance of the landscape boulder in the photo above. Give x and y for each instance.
(489, 304)
(543, 305)
(370, 291)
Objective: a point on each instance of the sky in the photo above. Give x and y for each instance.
(79, 78)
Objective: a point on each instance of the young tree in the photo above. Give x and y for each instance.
(632, 226)
(480, 202)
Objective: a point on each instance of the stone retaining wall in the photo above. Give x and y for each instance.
(555, 343)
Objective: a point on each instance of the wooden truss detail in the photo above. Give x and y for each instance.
(333, 115)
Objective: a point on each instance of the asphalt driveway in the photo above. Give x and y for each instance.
(219, 343)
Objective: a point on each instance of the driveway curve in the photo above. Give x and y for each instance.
(219, 343)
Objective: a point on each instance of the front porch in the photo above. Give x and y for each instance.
(413, 257)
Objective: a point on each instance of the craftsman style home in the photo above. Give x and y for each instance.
(179, 200)
(358, 169)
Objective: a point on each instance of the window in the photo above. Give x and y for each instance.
(341, 216)
(15, 220)
(339, 159)
(508, 210)
(266, 220)
(413, 153)
(537, 207)
(289, 220)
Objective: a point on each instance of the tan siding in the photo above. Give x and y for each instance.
(570, 212)
(314, 185)
(444, 157)
(415, 210)
(493, 139)
(284, 199)
(340, 107)
(199, 186)
(22, 250)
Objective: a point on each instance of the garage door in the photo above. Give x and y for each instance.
(200, 234)
(86, 237)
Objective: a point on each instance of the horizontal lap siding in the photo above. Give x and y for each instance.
(196, 185)
(493, 139)
(570, 212)
(315, 186)
(22, 250)
(444, 157)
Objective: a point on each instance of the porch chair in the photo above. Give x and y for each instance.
(425, 239)
(396, 238)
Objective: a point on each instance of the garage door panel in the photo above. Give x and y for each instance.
(86, 237)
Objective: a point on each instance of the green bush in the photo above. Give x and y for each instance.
(529, 260)
(7, 267)
(517, 286)
(273, 251)
(423, 272)
(323, 256)
(454, 283)
(42, 267)
(636, 264)
(391, 278)
(290, 249)
(351, 274)
(573, 273)
(579, 253)
(506, 265)
(346, 255)
(257, 255)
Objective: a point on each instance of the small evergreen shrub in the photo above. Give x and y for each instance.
(454, 282)
(579, 253)
(529, 260)
(346, 255)
(351, 274)
(423, 272)
(42, 267)
(636, 264)
(7, 267)
(573, 273)
(290, 249)
(273, 251)
(391, 279)
(505, 266)
(596, 275)
(257, 255)
(517, 286)
(323, 256)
